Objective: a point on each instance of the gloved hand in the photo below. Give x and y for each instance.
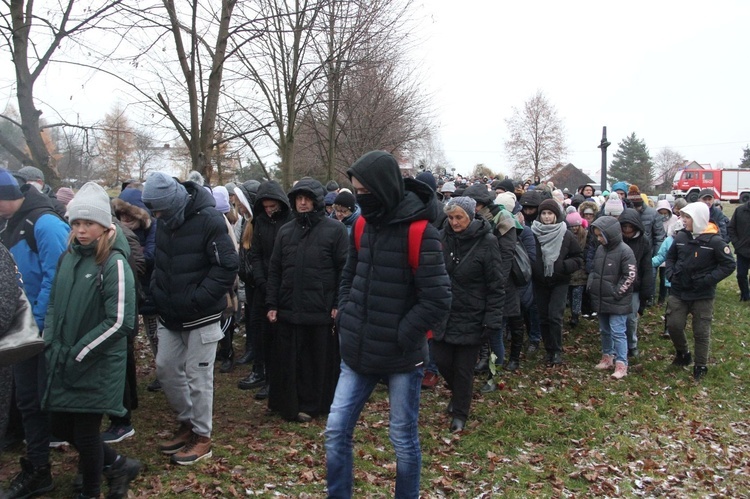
(642, 306)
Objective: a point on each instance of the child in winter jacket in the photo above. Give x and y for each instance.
(91, 311)
(697, 261)
(610, 285)
(634, 235)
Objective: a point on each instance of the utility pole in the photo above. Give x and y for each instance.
(603, 145)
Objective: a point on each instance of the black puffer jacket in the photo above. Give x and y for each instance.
(739, 230)
(613, 271)
(641, 246)
(266, 228)
(476, 284)
(305, 267)
(653, 227)
(195, 265)
(695, 265)
(386, 309)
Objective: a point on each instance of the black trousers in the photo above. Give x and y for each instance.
(550, 302)
(306, 370)
(456, 365)
(82, 430)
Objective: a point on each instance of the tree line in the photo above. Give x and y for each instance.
(310, 82)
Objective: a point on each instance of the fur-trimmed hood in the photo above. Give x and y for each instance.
(130, 203)
(588, 205)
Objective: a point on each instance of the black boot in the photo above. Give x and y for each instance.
(228, 363)
(31, 481)
(483, 364)
(516, 346)
(682, 359)
(699, 372)
(247, 357)
(119, 475)
(573, 322)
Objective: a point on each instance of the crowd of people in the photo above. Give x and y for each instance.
(397, 280)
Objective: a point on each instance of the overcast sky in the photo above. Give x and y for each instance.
(675, 73)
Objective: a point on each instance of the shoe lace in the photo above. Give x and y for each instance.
(191, 443)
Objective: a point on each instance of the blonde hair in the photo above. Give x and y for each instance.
(247, 233)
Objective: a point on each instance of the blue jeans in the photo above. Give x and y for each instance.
(632, 327)
(352, 391)
(614, 342)
(497, 343)
(531, 313)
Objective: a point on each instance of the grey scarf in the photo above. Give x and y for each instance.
(550, 239)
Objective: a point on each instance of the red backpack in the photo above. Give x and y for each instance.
(416, 230)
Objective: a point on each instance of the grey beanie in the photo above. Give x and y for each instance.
(465, 203)
(91, 203)
(30, 173)
(231, 186)
(162, 192)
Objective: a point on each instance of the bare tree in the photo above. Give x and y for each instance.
(536, 140)
(279, 64)
(32, 52)
(145, 152)
(666, 163)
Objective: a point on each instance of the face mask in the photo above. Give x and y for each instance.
(371, 207)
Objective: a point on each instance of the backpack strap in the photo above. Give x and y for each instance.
(416, 231)
(359, 229)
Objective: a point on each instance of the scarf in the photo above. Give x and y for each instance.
(550, 239)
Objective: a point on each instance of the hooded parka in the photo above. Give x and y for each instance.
(613, 271)
(91, 312)
(306, 263)
(385, 307)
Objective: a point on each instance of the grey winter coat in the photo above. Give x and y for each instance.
(653, 228)
(610, 283)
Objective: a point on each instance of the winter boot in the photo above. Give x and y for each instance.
(119, 475)
(196, 449)
(483, 364)
(699, 372)
(179, 440)
(682, 359)
(606, 363)
(31, 481)
(621, 370)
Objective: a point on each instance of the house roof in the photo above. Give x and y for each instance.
(569, 176)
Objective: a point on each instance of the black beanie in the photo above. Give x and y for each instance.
(345, 199)
(429, 179)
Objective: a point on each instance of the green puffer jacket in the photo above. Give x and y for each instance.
(85, 331)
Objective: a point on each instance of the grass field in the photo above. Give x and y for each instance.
(569, 431)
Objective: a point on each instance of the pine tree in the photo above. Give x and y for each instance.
(745, 160)
(632, 163)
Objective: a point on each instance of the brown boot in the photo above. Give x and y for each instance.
(178, 440)
(196, 449)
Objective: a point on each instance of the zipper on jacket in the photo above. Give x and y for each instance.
(216, 254)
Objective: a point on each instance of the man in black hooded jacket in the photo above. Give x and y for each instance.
(302, 298)
(385, 311)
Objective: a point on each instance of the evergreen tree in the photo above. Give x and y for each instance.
(745, 160)
(632, 163)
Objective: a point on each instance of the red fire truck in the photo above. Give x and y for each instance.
(728, 185)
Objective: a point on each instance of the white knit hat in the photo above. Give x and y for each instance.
(91, 203)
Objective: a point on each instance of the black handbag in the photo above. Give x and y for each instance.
(22, 341)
